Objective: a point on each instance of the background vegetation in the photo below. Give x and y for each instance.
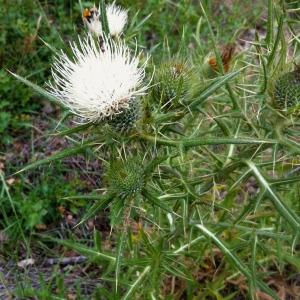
(219, 232)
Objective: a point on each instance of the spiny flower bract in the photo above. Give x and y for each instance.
(287, 90)
(97, 83)
(125, 177)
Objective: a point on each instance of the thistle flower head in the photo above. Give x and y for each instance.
(97, 83)
(286, 93)
(172, 82)
(116, 18)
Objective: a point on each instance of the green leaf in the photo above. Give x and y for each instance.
(157, 202)
(37, 88)
(121, 242)
(277, 40)
(4, 121)
(136, 283)
(58, 156)
(270, 24)
(76, 129)
(101, 202)
(214, 86)
(90, 253)
(281, 207)
(103, 18)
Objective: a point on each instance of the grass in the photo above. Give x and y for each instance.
(216, 215)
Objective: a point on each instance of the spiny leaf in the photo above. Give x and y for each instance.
(76, 129)
(236, 261)
(58, 156)
(37, 88)
(279, 204)
(208, 91)
(136, 283)
(84, 250)
(101, 202)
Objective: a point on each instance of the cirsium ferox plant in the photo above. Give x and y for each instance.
(194, 167)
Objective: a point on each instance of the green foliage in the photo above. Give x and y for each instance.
(201, 177)
(22, 51)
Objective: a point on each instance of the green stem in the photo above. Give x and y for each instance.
(103, 16)
(188, 142)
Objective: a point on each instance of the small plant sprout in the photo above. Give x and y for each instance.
(116, 17)
(98, 85)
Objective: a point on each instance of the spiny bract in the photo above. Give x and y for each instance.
(126, 120)
(125, 177)
(287, 90)
(171, 82)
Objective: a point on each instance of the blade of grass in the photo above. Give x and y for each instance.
(6, 190)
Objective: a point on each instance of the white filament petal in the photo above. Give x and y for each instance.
(116, 18)
(96, 84)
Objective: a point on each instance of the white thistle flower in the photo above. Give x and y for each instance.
(116, 18)
(97, 84)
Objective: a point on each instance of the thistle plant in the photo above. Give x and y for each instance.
(181, 162)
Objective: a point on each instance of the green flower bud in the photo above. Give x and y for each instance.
(126, 177)
(287, 90)
(171, 83)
